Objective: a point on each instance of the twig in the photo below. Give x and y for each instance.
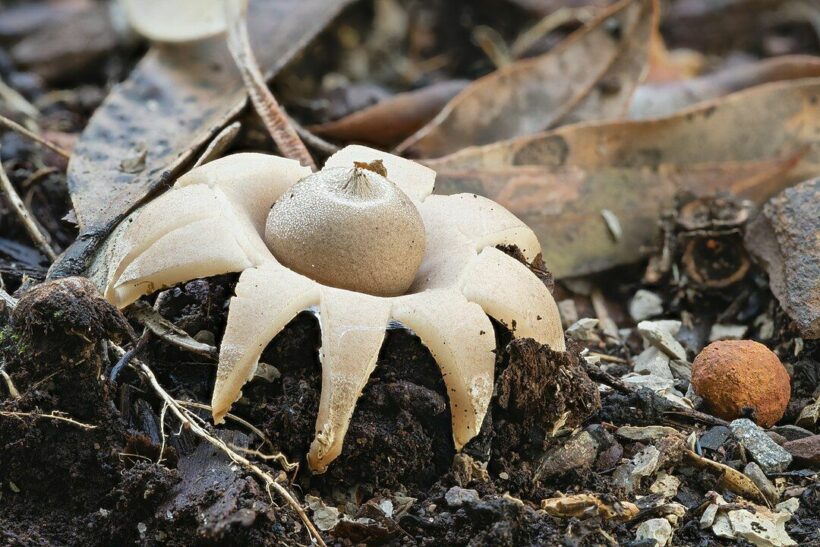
(617, 384)
(15, 100)
(54, 415)
(184, 416)
(25, 217)
(168, 332)
(16, 127)
(315, 141)
(8, 299)
(280, 458)
(559, 17)
(272, 114)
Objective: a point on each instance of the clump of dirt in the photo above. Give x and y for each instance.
(65, 317)
(492, 520)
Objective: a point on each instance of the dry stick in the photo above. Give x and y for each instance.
(53, 416)
(274, 118)
(25, 217)
(183, 416)
(280, 458)
(17, 128)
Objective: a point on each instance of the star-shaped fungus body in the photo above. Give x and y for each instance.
(213, 221)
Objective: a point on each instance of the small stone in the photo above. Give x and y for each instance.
(652, 361)
(504, 476)
(776, 437)
(584, 330)
(646, 433)
(727, 332)
(609, 457)
(142, 528)
(806, 450)
(771, 457)
(568, 311)
(715, 437)
(682, 370)
(658, 529)
(325, 518)
(760, 530)
(792, 432)
(655, 383)
(665, 485)
(789, 506)
(457, 496)
(579, 451)
(628, 475)
(766, 487)
(707, 519)
(658, 333)
(645, 304)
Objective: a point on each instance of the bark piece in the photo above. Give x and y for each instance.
(785, 239)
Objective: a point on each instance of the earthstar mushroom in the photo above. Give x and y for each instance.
(217, 218)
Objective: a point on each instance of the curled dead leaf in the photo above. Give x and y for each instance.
(388, 122)
(588, 505)
(666, 98)
(751, 144)
(590, 75)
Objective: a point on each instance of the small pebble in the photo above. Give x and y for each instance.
(658, 529)
(806, 450)
(645, 304)
(659, 334)
(771, 457)
(457, 496)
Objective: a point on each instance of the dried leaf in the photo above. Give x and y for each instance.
(751, 144)
(588, 505)
(664, 99)
(175, 100)
(394, 119)
(590, 75)
(731, 478)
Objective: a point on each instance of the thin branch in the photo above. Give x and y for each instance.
(315, 141)
(25, 217)
(54, 415)
(277, 456)
(168, 332)
(17, 128)
(8, 299)
(186, 417)
(272, 114)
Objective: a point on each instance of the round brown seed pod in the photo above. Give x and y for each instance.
(349, 228)
(738, 377)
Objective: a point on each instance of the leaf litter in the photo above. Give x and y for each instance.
(662, 199)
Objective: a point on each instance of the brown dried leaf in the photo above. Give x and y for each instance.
(173, 102)
(751, 144)
(731, 478)
(394, 119)
(588, 505)
(590, 75)
(664, 99)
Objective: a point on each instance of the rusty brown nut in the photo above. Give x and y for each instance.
(739, 377)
